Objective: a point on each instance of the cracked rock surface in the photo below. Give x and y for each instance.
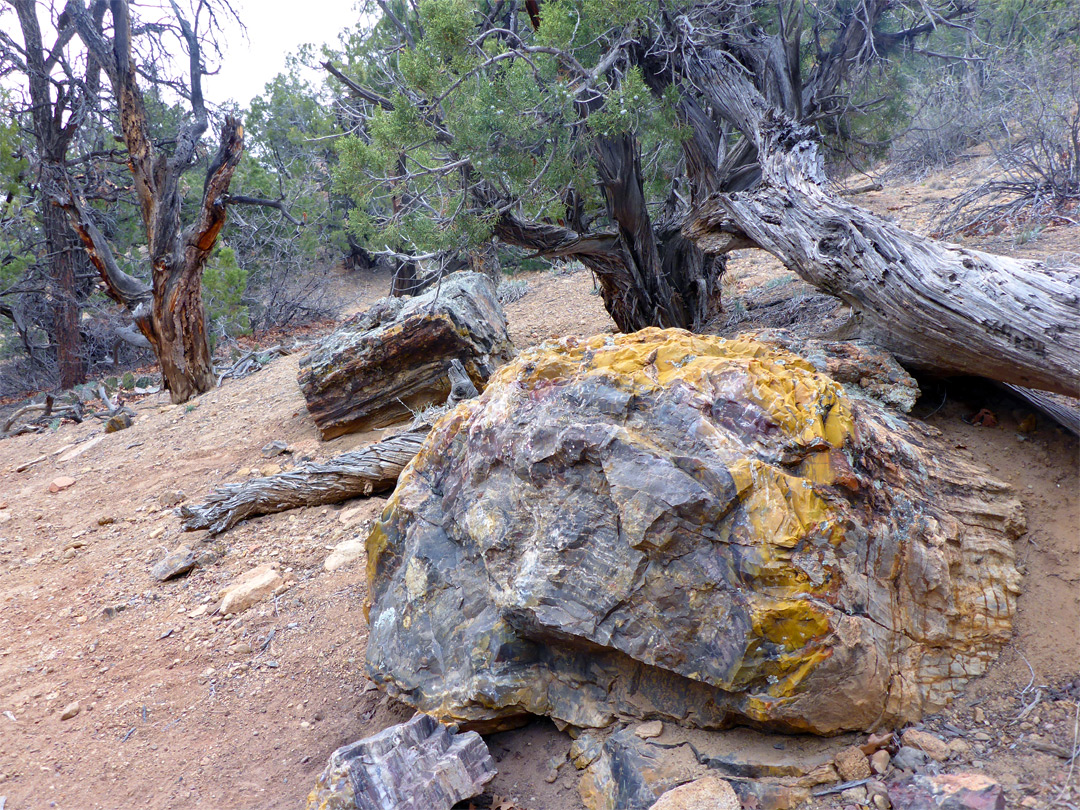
(706, 531)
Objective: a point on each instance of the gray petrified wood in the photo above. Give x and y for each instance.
(417, 765)
(373, 369)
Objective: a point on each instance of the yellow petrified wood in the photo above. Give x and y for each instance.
(670, 525)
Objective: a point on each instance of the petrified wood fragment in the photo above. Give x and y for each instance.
(416, 765)
(372, 370)
(706, 531)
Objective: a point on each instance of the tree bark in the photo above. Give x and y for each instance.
(170, 312)
(372, 469)
(649, 273)
(936, 306)
(52, 136)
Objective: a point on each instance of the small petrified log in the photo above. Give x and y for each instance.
(373, 370)
(706, 531)
(416, 765)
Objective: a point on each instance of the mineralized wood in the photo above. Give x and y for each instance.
(394, 358)
(416, 765)
(374, 468)
(680, 527)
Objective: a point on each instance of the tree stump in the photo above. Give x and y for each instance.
(394, 358)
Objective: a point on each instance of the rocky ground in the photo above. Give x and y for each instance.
(117, 690)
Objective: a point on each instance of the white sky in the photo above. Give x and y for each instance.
(275, 29)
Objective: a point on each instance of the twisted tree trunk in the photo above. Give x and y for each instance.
(649, 273)
(169, 312)
(372, 469)
(936, 306)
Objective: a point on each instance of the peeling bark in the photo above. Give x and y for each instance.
(936, 306)
(169, 312)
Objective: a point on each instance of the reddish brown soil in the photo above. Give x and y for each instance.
(181, 710)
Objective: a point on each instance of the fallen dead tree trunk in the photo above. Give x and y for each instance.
(363, 472)
(936, 306)
(375, 468)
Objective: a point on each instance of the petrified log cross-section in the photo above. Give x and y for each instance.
(373, 370)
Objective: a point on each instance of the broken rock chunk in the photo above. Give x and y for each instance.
(417, 765)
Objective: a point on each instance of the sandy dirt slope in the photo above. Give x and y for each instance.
(179, 710)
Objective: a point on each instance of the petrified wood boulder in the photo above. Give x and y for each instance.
(373, 369)
(708, 531)
(416, 765)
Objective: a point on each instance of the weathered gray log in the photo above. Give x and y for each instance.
(934, 305)
(1062, 409)
(374, 468)
(372, 371)
(416, 765)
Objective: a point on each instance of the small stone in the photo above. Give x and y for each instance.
(69, 553)
(344, 553)
(118, 422)
(878, 795)
(654, 728)
(876, 742)
(105, 520)
(879, 761)
(910, 759)
(70, 710)
(197, 612)
(350, 517)
(250, 588)
(240, 648)
(707, 793)
(269, 469)
(935, 747)
(551, 776)
(954, 791)
(420, 763)
(171, 498)
(959, 747)
(1029, 801)
(757, 793)
(855, 794)
(61, 483)
(980, 715)
(981, 736)
(174, 564)
(274, 448)
(852, 764)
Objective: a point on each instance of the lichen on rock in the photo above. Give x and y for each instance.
(707, 531)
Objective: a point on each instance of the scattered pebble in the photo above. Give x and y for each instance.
(61, 483)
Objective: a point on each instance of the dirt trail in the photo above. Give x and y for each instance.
(179, 710)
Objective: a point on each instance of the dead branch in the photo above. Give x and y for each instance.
(360, 473)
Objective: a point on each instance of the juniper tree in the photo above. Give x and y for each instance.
(609, 132)
(582, 129)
